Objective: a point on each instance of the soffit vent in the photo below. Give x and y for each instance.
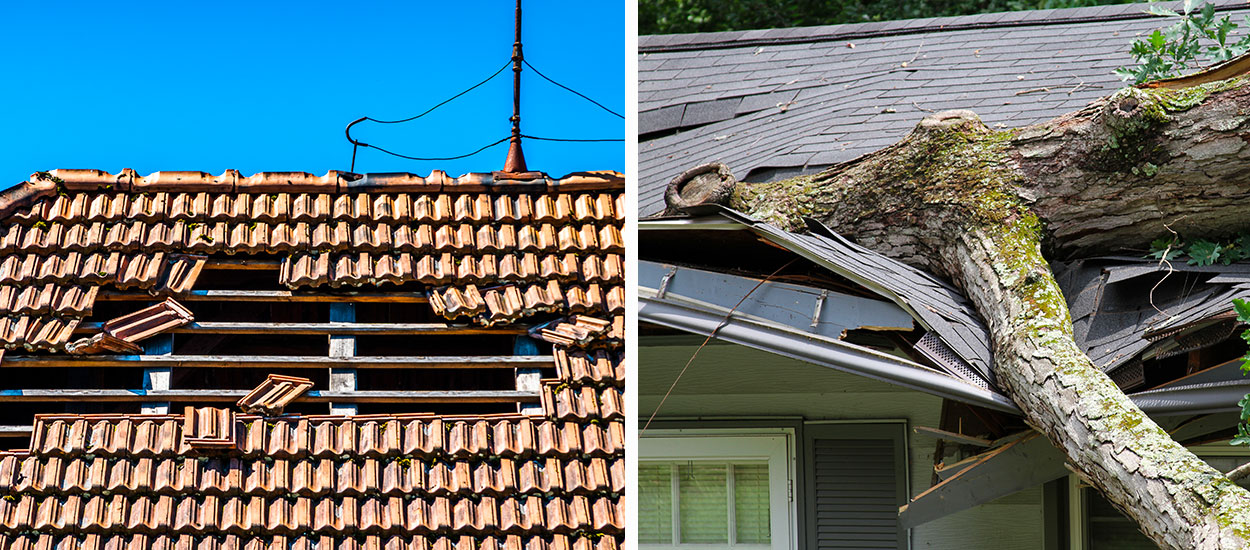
(934, 349)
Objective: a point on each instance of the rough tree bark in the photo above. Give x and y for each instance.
(985, 208)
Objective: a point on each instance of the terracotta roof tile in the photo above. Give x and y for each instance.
(578, 330)
(275, 393)
(410, 476)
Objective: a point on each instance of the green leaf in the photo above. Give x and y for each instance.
(1203, 252)
(1240, 440)
(1157, 40)
(1243, 436)
(1242, 307)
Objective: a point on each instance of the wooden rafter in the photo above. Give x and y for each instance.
(406, 297)
(113, 395)
(378, 329)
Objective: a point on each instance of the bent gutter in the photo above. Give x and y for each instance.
(1208, 398)
(837, 355)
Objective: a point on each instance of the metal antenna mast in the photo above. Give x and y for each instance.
(516, 159)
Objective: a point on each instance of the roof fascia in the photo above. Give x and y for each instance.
(702, 223)
(814, 349)
(825, 313)
(730, 220)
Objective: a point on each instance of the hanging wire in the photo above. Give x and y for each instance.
(579, 94)
(357, 144)
(483, 148)
(446, 101)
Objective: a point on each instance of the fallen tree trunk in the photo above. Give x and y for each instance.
(985, 208)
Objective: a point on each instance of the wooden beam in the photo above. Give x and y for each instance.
(283, 361)
(335, 328)
(157, 378)
(528, 379)
(952, 437)
(343, 379)
(272, 296)
(466, 396)
(1017, 465)
(242, 263)
(16, 431)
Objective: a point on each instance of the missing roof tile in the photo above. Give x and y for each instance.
(275, 393)
(122, 334)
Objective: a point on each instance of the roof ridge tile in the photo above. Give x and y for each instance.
(44, 184)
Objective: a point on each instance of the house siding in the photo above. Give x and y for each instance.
(735, 386)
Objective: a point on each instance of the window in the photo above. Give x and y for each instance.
(714, 492)
(1096, 524)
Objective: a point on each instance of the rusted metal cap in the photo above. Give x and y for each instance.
(516, 159)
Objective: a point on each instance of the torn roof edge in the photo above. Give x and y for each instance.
(978, 359)
(839, 355)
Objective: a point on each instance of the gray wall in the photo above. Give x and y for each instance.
(731, 381)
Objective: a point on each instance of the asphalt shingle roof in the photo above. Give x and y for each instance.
(779, 102)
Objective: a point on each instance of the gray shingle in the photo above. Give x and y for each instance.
(760, 102)
(656, 120)
(709, 111)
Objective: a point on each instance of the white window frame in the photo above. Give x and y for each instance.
(776, 447)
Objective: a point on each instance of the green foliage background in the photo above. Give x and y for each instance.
(680, 16)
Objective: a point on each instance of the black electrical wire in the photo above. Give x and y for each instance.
(356, 144)
(571, 139)
(483, 148)
(446, 101)
(579, 94)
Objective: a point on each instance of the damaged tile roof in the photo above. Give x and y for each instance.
(214, 478)
(488, 248)
(774, 103)
(491, 247)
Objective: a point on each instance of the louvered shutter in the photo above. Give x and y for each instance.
(856, 493)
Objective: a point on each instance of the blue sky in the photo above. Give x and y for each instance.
(269, 86)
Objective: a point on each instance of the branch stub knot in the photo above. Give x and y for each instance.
(710, 183)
